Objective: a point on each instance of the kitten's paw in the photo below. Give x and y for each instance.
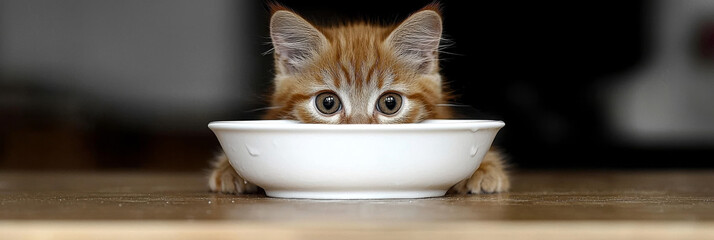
(490, 177)
(487, 180)
(225, 179)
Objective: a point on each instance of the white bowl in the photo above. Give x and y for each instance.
(355, 161)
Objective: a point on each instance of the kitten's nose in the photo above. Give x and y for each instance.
(360, 119)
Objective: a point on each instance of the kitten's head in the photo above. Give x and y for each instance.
(357, 73)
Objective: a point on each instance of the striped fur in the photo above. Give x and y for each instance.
(359, 62)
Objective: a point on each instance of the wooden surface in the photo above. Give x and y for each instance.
(542, 205)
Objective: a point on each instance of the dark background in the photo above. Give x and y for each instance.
(548, 69)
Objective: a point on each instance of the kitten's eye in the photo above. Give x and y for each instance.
(328, 103)
(389, 103)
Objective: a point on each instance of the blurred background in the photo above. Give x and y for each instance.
(132, 84)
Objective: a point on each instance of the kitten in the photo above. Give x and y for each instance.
(359, 73)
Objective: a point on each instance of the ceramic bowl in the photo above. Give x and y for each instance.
(355, 161)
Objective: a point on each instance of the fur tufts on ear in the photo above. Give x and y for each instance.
(295, 41)
(416, 40)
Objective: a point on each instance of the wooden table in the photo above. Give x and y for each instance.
(542, 205)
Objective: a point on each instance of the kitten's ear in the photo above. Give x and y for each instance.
(416, 40)
(295, 41)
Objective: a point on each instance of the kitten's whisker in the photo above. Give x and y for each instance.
(262, 109)
(450, 53)
(271, 50)
(452, 105)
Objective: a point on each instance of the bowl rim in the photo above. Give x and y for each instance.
(291, 125)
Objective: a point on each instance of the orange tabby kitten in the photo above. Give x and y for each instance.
(361, 74)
